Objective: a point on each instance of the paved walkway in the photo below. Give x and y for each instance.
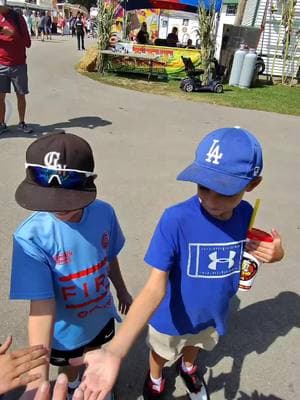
(140, 142)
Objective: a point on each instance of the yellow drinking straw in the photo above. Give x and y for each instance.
(253, 216)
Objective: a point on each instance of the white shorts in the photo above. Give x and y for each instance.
(170, 347)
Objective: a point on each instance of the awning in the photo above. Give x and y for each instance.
(30, 6)
(183, 5)
(225, 2)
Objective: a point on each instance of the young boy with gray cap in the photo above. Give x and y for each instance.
(195, 257)
(66, 254)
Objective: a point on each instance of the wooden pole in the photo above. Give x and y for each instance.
(240, 13)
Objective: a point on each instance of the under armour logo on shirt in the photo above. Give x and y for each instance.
(215, 260)
(214, 154)
(51, 160)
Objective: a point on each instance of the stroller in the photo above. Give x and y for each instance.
(193, 82)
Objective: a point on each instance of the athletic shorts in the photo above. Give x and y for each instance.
(17, 75)
(170, 347)
(61, 357)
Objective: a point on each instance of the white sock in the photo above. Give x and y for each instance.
(185, 368)
(74, 384)
(157, 383)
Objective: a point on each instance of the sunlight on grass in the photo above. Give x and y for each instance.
(275, 98)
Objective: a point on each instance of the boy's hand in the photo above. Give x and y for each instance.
(102, 368)
(125, 301)
(266, 252)
(15, 365)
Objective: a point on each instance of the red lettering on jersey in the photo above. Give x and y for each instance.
(99, 281)
(64, 258)
(84, 314)
(87, 303)
(84, 272)
(85, 290)
(66, 292)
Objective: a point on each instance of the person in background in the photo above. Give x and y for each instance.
(48, 25)
(14, 39)
(143, 36)
(61, 23)
(79, 28)
(72, 21)
(34, 22)
(189, 44)
(41, 25)
(172, 38)
(27, 18)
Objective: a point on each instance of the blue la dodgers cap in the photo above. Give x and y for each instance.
(227, 159)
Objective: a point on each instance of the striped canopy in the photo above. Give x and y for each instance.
(183, 5)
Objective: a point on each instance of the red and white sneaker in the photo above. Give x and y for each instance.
(151, 391)
(195, 383)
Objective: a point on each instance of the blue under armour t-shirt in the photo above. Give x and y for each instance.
(69, 261)
(203, 257)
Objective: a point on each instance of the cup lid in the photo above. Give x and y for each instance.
(257, 234)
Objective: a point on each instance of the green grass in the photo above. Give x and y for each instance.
(265, 97)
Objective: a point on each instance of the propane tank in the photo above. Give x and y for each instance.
(248, 69)
(237, 65)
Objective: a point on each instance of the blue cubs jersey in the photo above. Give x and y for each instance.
(69, 261)
(203, 257)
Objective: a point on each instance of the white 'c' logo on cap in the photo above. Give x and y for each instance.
(214, 154)
(51, 160)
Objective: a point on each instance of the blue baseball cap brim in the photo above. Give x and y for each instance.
(225, 184)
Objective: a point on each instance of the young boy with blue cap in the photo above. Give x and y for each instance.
(195, 257)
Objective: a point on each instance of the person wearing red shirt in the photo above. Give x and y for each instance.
(14, 38)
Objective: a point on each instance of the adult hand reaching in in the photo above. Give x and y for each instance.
(14, 366)
(59, 391)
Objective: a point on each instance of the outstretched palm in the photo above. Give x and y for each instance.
(102, 368)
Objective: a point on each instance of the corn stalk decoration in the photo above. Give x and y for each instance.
(207, 36)
(288, 20)
(106, 15)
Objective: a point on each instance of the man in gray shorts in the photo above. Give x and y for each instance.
(14, 38)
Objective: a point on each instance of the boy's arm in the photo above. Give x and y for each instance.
(115, 276)
(103, 365)
(267, 252)
(40, 331)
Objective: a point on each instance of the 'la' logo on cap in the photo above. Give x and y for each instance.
(214, 154)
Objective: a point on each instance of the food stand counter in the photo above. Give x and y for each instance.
(165, 61)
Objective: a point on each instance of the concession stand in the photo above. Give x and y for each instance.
(157, 58)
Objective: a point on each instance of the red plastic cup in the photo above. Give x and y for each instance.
(250, 264)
